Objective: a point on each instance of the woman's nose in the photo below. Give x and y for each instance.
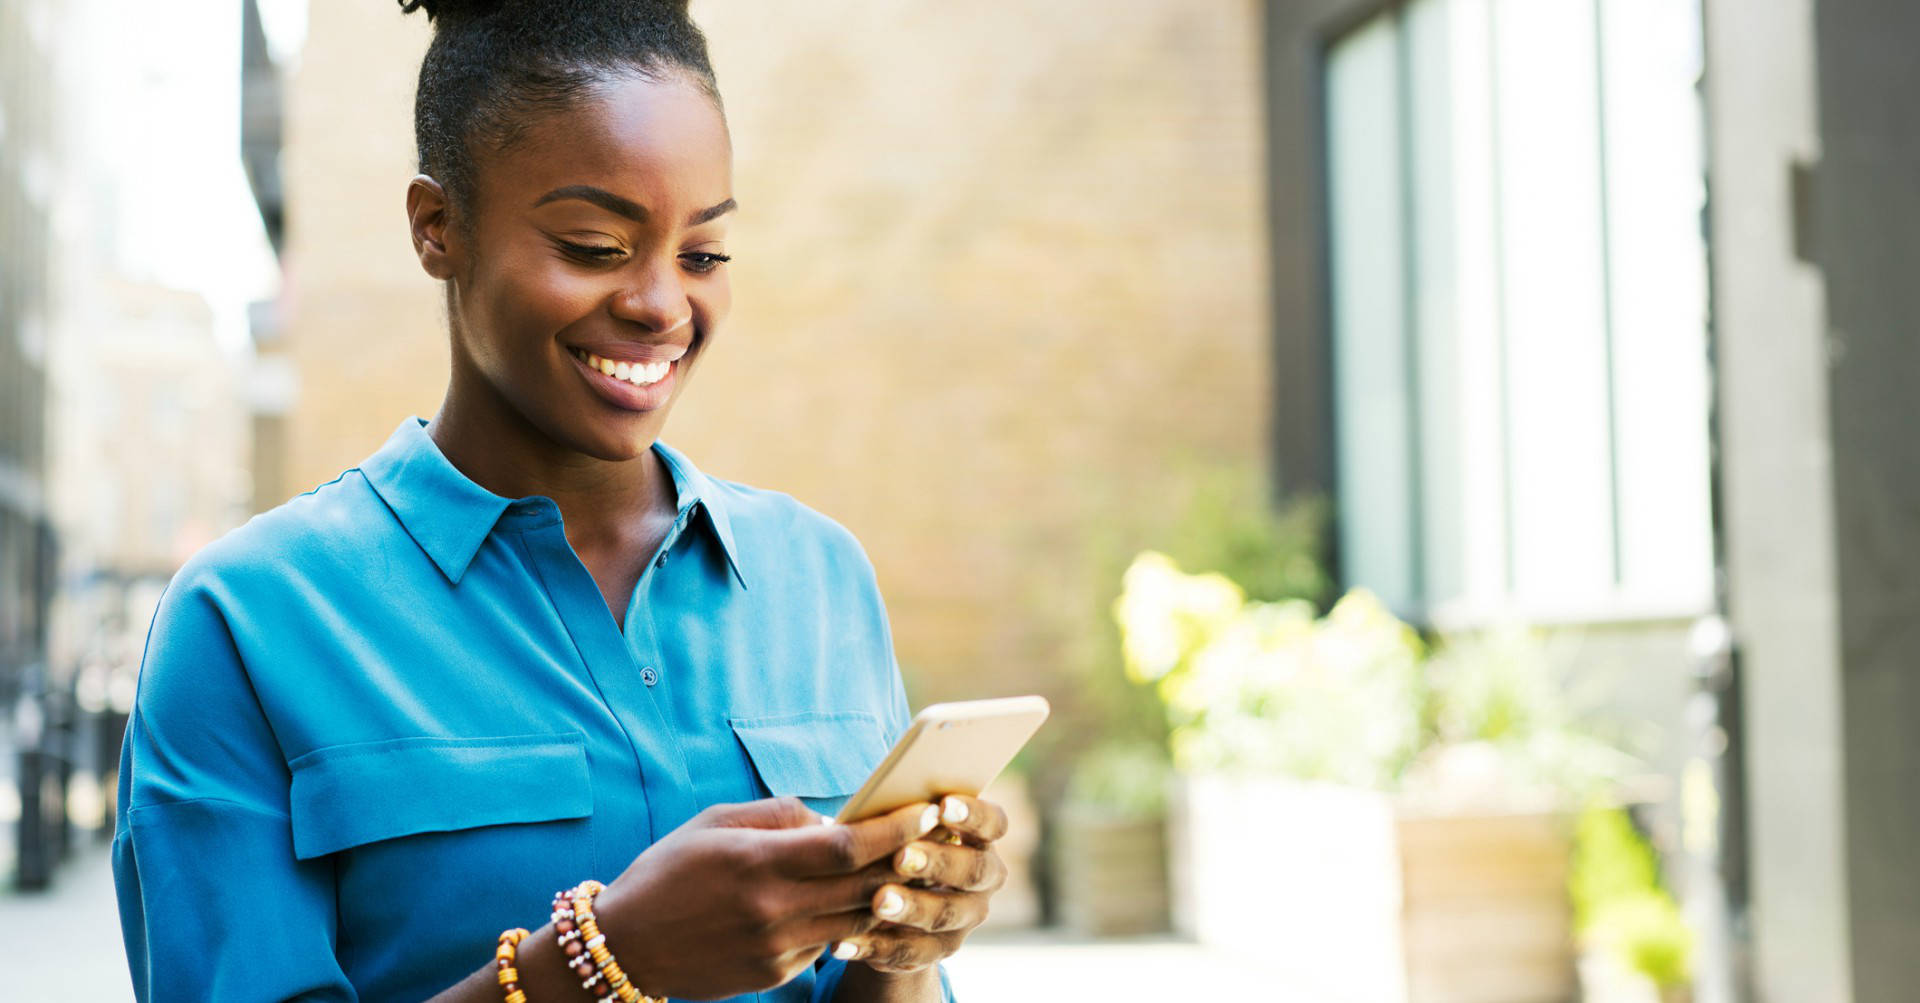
(656, 299)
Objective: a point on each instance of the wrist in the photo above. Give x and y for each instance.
(544, 974)
(864, 984)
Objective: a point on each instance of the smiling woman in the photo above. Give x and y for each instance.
(385, 727)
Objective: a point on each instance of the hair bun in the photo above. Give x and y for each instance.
(444, 10)
(439, 11)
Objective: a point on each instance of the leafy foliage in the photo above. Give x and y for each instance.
(1618, 901)
(1268, 686)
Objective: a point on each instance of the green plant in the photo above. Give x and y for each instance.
(1352, 697)
(1506, 688)
(1619, 903)
(1268, 687)
(1231, 526)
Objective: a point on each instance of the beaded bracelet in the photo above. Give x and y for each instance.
(585, 946)
(503, 960)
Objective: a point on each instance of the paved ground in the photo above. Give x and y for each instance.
(65, 945)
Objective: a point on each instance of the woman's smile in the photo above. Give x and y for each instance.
(633, 378)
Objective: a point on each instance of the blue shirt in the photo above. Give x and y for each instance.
(390, 718)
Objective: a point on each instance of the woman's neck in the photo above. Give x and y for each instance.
(603, 502)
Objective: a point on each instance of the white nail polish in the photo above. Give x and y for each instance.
(846, 950)
(929, 819)
(891, 904)
(954, 810)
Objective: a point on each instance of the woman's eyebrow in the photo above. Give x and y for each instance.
(598, 196)
(626, 207)
(712, 212)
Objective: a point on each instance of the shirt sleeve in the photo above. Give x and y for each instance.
(213, 904)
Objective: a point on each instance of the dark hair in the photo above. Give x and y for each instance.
(496, 64)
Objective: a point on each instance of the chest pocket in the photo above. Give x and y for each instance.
(477, 833)
(820, 758)
(348, 795)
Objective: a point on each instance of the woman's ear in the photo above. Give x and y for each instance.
(429, 217)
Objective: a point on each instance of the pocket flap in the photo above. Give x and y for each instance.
(813, 755)
(346, 795)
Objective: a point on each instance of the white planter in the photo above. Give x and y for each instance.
(1342, 893)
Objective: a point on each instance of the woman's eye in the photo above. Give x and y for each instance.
(596, 253)
(704, 261)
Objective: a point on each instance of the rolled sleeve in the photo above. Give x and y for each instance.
(213, 903)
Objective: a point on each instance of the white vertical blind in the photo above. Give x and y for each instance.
(1553, 299)
(1369, 292)
(1435, 288)
(1482, 525)
(1654, 169)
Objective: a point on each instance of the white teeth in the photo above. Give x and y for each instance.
(637, 373)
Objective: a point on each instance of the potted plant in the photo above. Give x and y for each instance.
(1109, 851)
(1375, 821)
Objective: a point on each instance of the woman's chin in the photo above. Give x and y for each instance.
(627, 437)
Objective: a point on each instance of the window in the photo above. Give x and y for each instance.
(1518, 308)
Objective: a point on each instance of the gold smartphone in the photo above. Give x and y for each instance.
(950, 748)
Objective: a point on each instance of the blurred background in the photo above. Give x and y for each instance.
(1450, 463)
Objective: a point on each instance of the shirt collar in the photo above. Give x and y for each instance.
(450, 516)
(697, 489)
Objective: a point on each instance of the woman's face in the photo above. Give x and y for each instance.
(595, 241)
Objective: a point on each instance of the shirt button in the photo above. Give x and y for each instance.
(662, 562)
(648, 676)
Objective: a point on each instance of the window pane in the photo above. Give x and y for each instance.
(1369, 313)
(1548, 164)
(1655, 196)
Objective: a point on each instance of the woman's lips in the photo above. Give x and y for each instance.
(643, 386)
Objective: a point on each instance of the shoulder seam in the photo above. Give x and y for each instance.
(255, 809)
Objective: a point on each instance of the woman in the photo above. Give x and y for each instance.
(526, 644)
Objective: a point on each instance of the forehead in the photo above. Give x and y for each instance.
(659, 142)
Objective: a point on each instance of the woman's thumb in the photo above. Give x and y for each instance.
(768, 813)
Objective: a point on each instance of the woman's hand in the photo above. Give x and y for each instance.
(939, 892)
(744, 896)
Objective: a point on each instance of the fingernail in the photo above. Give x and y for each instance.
(931, 818)
(824, 819)
(954, 810)
(846, 950)
(912, 860)
(891, 904)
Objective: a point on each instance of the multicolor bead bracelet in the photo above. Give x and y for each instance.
(585, 947)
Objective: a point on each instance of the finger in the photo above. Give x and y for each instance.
(767, 813)
(929, 909)
(963, 867)
(843, 849)
(973, 818)
(897, 949)
(814, 933)
(843, 892)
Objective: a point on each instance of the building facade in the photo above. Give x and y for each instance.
(1786, 671)
(27, 542)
